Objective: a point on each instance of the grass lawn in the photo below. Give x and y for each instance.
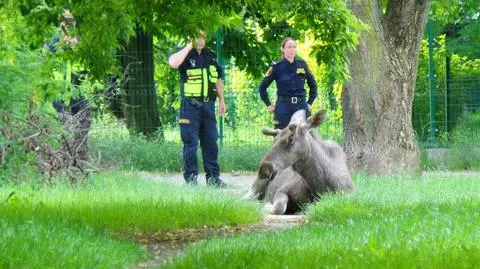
(394, 222)
(61, 227)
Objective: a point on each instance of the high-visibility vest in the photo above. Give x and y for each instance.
(195, 84)
(200, 82)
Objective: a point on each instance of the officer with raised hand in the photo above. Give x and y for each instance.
(290, 74)
(200, 83)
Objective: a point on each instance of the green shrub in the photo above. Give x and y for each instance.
(26, 88)
(467, 131)
(465, 152)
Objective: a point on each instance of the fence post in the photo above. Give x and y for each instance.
(219, 43)
(431, 76)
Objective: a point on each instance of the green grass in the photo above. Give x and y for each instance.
(32, 244)
(392, 222)
(121, 201)
(116, 148)
(463, 157)
(61, 227)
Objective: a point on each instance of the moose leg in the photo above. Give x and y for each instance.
(259, 187)
(279, 206)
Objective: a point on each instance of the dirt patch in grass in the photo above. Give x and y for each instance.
(164, 245)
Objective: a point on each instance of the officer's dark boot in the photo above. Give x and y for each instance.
(192, 180)
(212, 181)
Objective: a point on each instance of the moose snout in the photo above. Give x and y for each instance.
(266, 170)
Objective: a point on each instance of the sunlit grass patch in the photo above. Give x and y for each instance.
(32, 244)
(121, 201)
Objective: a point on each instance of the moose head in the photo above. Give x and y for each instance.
(321, 163)
(292, 144)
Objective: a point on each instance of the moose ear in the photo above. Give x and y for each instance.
(270, 131)
(316, 119)
(293, 132)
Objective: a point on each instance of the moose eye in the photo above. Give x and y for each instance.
(286, 142)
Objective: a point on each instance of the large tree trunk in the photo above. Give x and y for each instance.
(140, 98)
(377, 100)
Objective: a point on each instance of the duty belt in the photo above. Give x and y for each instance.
(197, 101)
(290, 99)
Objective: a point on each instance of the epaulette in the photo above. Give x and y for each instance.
(276, 62)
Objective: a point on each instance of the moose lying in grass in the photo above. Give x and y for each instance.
(300, 166)
(284, 194)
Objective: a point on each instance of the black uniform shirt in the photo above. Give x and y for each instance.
(290, 78)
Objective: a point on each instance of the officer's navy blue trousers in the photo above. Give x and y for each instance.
(284, 112)
(199, 124)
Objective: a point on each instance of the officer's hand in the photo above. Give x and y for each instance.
(309, 107)
(189, 45)
(72, 41)
(222, 108)
(271, 108)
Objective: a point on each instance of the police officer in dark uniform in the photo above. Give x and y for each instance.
(200, 84)
(290, 74)
(76, 116)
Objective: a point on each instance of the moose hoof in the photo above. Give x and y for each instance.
(269, 208)
(275, 209)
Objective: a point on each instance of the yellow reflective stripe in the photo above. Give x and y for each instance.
(194, 72)
(192, 88)
(198, 80)
(213, 71)
(205, 82)
(213, 74)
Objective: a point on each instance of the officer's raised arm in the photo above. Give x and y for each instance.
(178, 57)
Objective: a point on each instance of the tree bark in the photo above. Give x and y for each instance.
(140, 100)
(377, 100)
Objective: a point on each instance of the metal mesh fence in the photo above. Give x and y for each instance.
(446, 103)
(447, 98)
